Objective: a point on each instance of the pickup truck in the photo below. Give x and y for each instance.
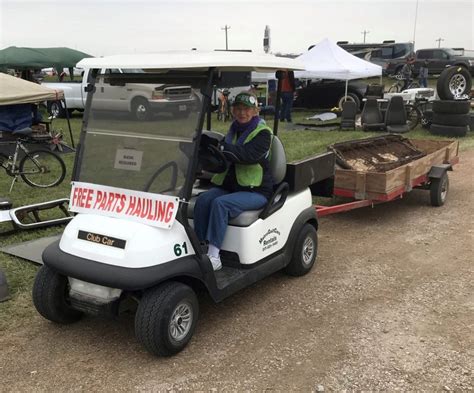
(438, 59)
(139, 99)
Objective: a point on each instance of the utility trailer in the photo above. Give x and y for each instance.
(384, 168)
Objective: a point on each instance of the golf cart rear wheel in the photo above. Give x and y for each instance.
(50, 297)
(166, 318)
(305, 252)
(439, 190)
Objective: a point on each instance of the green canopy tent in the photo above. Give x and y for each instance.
(36, 58)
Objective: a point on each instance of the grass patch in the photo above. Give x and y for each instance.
(20, 274)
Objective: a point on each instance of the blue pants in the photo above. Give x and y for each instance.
(286, 105)
(214, 209)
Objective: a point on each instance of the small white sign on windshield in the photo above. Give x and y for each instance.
(128, 159)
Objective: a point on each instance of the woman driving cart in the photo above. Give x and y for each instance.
(247, 182)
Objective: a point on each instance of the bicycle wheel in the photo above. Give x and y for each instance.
(395, 88)
(413, 116)
(41, 168)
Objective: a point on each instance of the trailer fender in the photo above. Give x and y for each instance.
(437, 171)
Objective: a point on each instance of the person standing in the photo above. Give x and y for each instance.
(246, 184)
(407, 72)
(423, 75)
(287, 95)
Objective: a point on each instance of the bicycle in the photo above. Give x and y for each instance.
(397, 87)
(38, 168)
(418, 112)
(223, 111)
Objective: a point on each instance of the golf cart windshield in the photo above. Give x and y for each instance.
(140, 130)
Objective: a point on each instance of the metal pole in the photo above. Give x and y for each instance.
(365, 32)
(414, 27)
(226, 28)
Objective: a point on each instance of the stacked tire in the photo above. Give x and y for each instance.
(451, 113)
(451, 118)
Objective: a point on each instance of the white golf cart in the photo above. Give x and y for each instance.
(134, 189)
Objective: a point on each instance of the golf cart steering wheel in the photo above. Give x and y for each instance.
(174, 177)
(212, 159)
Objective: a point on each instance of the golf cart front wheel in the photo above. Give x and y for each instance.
(305, 252)
(166, 318)
(50, 297)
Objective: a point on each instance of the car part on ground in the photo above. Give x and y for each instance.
(453, 83)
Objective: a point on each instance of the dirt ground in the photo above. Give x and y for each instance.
(389, 306)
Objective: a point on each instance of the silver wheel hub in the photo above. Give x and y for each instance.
(308, 251)
(457, 84)
(444, 189)
(181, 321)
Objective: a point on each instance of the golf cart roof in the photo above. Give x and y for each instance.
(195, 60)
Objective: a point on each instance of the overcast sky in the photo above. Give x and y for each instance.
(115, 26)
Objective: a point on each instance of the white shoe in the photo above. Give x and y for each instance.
(216, 262)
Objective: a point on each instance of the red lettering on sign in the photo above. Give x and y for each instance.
(169, 212)
(121, 206)
(90, 193)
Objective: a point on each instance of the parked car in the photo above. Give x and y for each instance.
(328, 93)
(140, 99)
(437, 60)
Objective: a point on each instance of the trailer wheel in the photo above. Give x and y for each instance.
(166, 318)
(439, 190)
(305, 252)
(50, 297)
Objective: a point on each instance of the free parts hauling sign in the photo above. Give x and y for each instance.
(151, 209)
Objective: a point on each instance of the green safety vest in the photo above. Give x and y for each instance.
(248, 175)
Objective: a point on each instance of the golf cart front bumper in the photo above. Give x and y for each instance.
(129, 279)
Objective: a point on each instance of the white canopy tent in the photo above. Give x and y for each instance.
(327, 60)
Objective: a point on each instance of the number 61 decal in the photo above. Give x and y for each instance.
(180, 249)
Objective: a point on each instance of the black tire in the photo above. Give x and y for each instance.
(304, 253)
(56, 109)
(454, 82)
(350, 97)
(42, 168)
(454, 131)
(439, 190)
(413, 116)
(450, 119)
(141, 110)
(452, 106)
(50, 297)
(159, 306)
(427, 119)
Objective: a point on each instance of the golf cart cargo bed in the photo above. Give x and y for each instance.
(407, 164)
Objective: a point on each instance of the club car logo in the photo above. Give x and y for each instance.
(270, 239)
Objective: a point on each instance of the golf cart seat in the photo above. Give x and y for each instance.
(276, 201)
(396, 116)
